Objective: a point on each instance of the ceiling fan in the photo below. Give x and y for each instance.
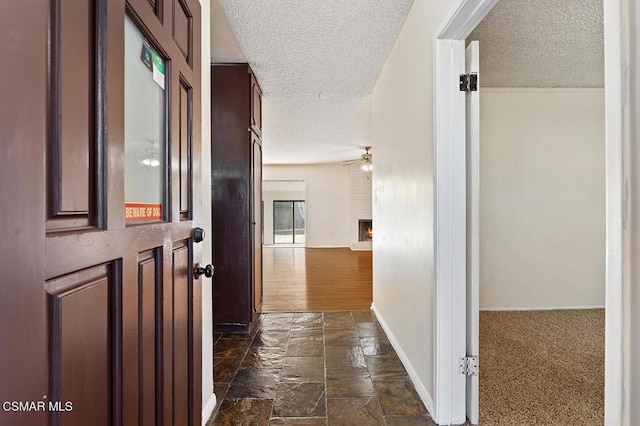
(366, 159)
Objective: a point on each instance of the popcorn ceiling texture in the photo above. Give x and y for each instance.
(317, 63)
(315, 130)
(542, 43)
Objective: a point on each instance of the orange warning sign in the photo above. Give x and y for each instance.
(142, 211)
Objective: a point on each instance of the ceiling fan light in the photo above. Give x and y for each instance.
(150, 162)
(367, 167)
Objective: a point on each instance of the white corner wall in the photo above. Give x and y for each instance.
(327, 200)
(542, 198)
(403, 193)
(208, 397)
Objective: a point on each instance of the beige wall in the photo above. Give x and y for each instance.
(327, 200)
(542, 198)
(403, 203)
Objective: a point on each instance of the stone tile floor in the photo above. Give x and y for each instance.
(332, 368)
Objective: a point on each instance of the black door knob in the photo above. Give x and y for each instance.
(207, 271)
(198, 235)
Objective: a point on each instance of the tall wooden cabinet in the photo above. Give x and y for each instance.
(236, 193)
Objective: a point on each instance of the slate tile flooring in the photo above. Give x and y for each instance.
(331, 368)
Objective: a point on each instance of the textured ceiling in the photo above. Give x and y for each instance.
(304, 129)
(224, 46)
(317, 63)
(542, 43)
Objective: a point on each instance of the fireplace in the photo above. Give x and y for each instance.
(365, 230)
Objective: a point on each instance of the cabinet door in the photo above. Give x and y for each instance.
(256, 223)
(256, 106)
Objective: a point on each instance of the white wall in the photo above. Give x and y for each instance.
(542, 198)
(279, 190)
(208, 398)
(327, 201)
(403, 209)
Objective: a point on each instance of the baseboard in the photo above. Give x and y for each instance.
(366, 246)
(207, 411)
(542, 308)
(420, 388)
(320, 247)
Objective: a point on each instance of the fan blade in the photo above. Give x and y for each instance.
(349, 162)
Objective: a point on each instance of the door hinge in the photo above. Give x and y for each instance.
(469, 365)
(469, 82)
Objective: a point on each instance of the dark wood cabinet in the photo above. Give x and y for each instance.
(256, 107)
(236, 190)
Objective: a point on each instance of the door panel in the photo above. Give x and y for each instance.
(257, 225)
(181, 364)
(82, 352)
(256, 107)
(185, 150)
(72, 77)
(139, 338)
(103, 338)
(147, 348)
(74, 74)
(182, 28)
(472, 65)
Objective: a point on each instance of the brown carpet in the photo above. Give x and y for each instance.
(542, 368)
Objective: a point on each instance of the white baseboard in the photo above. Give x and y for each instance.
(208, 409)
(327, 246)
(362, 246)
(420, 388)
(542, 308)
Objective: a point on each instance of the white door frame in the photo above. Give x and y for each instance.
(450, 212)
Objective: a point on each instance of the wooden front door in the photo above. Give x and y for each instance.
(100, 312)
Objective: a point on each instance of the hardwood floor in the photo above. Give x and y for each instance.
(313, 280)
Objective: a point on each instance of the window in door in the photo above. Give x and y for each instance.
(289, 221)
(145, 147)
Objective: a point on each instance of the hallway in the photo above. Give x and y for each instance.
(316, 280)
(335, 368)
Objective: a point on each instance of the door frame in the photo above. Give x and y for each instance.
(450, 211)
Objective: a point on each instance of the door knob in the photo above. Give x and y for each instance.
(207, 271)
(198, 235)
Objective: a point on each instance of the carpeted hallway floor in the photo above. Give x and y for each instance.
(542, 368)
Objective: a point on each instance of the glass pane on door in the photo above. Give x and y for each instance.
(144, 127)
(299, 222)
(283, 222)
(289, 222)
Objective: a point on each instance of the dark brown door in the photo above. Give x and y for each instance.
(99, 196)
(256, 223)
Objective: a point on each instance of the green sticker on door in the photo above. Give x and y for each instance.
(154, 62)
(158, 69)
